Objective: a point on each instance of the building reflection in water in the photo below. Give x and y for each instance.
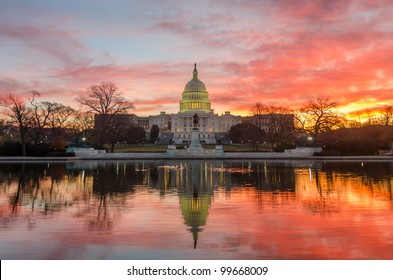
(197, 181)
(195, 194)
(101, 196)
(48, 187)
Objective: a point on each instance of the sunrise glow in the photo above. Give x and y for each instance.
(276, 52)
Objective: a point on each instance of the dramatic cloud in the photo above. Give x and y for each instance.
(48, 41)
(277, 52)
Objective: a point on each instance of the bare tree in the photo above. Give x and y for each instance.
(118, 130)
(276, 121)
(59, 117)
(41, 112)
(372, 119)
(19, 114)
(257, 111)
(318, 116)
(106, 101)
(387, 114)
(247, 132)
(82, 122)
(369, 116)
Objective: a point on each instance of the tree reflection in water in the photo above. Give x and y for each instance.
(100, 197)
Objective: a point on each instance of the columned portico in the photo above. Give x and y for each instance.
(183, 126)
(195, 99)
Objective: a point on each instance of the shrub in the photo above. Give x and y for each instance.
(353, 147)
(10, 149)
(15, 149)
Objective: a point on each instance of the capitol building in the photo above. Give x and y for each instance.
(194, 100)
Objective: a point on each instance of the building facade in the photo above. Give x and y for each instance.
(214, 128)
(194, 100)
(176, 128)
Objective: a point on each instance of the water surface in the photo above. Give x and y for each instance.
(196, 210)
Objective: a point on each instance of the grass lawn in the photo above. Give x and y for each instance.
(123, 148)
(241, 148)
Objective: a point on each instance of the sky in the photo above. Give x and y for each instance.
(276, 52)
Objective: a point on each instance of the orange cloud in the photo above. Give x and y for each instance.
(277, 52)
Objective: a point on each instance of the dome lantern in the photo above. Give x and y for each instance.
(195, 73)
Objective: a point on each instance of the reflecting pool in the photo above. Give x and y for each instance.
(196, 210)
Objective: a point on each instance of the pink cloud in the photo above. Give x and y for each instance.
(277, 52)
(47, 40)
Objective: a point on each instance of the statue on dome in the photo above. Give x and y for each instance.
(195, 120)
